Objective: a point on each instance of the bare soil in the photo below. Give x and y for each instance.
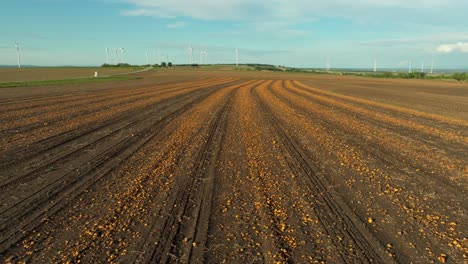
(215, 166)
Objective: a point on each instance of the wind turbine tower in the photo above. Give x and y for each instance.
(159, 57)
(190, 48)
(203, 56)
(409, 67)
(123, 54)
(375, 65)
(147, 57)
(18, 53)
(432, 66)
(115, 56)
(422, 67)
(237, 57)
(107, 55)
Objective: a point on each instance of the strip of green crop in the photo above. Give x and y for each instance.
(67, 81)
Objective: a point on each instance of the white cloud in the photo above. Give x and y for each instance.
(202, 9)
(296, 10)
(178, 24)
(427, 40)
(449, 48)
(278, 28)
(145, 12)
(288, 17)
(440, 37)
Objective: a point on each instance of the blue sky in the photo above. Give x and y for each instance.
(299, 33)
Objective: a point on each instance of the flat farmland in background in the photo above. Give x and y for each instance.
(42, 74)
(217, 166)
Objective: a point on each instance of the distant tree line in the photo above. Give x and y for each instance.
(193, 65)
(259, 65)
(460, 76)
(413, 75)
(267, 68)
(105, 65)
(163, 65)
(400, 75)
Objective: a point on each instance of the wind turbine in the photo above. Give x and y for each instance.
(206, 57)
(422, 67)
(409, 70)
(190, 48)
(237, 57)
(154, 55)
(432, 66)
(159, 57)
(328, 66)
(123, 52)
(18, 53)
(115, 56)
(107, 56)
(147, 57)
(375, 65)
(203, 56)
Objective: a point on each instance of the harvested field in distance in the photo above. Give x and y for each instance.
(217, 166)
(56, 73)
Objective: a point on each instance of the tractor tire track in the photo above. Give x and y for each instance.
(41, 128)
(49, 198)
(185, 240)
(57, 107)
(384, 154)
(41, 146)
(12, 104)
(376, 118)
(335, 216)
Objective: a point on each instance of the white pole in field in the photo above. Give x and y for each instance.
(422, 67)
(375, 65)
(432, 66)
(409, 67)
(107, 56)
(18, 53)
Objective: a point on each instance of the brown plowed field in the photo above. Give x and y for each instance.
(219, 167)
(54, 73)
